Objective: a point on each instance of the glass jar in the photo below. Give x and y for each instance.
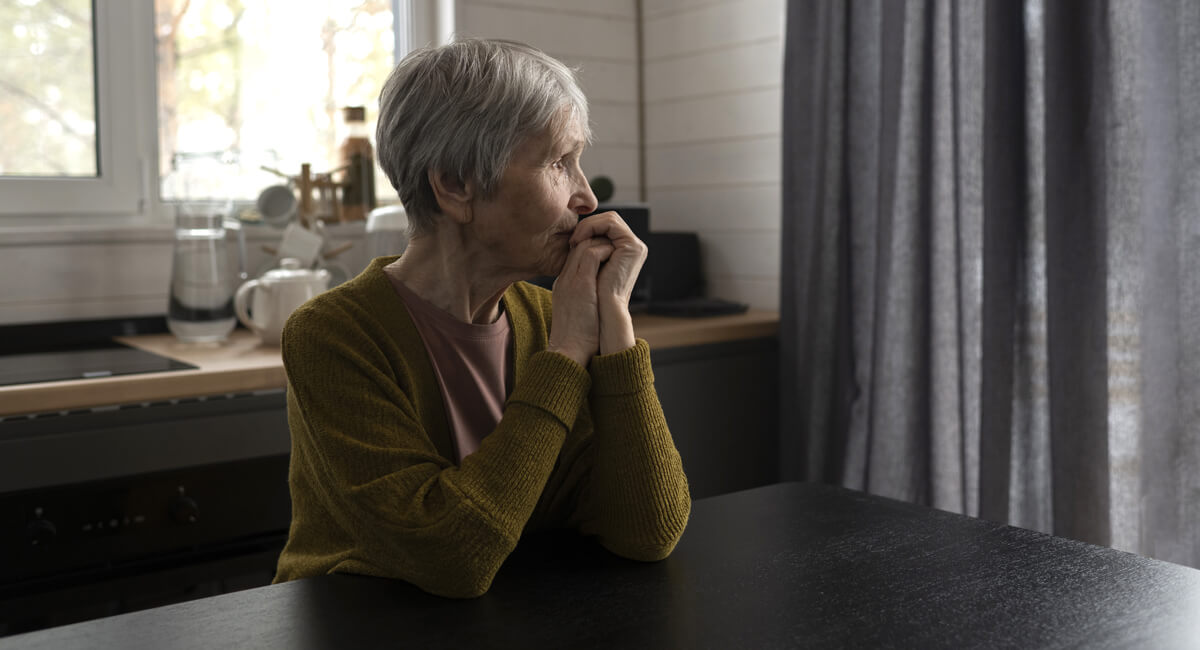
(203, 278)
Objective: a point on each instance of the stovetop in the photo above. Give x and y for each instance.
(94, 360)
(55, 351)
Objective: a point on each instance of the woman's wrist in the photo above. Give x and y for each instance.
(573, 355)
(616, 326)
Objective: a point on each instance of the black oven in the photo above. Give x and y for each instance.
(128, 506)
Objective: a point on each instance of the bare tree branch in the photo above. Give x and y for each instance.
(216, 45)
(45, 108)
(68, 12)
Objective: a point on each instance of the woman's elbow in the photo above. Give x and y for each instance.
(456, 581)
(646, 553)
(652, 551)
(655, 542)
(454, 566)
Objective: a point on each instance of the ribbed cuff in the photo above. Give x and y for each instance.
(555, 384)
(622, 373)
(506, 476)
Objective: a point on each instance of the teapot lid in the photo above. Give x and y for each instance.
(290, 271)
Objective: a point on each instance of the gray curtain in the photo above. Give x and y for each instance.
(991, 261)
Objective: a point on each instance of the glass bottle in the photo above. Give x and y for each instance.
(357, 156)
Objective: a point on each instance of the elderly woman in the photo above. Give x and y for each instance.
(440, 407)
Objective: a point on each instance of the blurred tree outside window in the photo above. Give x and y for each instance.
(47, 89)
(249, 83)
(240, 84)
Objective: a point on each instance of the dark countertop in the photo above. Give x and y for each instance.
(788, 565)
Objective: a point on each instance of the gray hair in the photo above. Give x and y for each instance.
(463, 109)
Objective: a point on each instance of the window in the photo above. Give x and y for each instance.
(47, 74)
(77, 150)
(248, 85)
(120, 103)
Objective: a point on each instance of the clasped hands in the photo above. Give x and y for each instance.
(591, 294)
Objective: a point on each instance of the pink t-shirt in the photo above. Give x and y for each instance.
(472, 364)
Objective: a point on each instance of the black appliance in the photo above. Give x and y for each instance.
(123, 507)
(674, 266)
(92, 359)
(675, 278)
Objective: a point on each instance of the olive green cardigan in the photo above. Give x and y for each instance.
(374, 489)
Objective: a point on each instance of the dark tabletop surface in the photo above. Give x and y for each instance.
(789, 565)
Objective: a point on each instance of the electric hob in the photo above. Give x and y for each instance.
(93, 360)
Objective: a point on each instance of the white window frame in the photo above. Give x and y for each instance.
(118, 187)
(127, 122)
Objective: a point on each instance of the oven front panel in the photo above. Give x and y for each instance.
(116, 508)
(51, 532)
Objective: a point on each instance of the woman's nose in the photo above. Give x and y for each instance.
(583, 200)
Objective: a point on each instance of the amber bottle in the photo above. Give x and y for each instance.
(357, 157)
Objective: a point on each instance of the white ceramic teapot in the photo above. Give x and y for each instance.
(275, 295)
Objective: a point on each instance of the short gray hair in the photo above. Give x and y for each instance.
(464, 108)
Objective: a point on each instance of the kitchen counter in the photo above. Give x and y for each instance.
(241, 365)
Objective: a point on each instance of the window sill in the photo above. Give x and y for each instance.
(42, 230)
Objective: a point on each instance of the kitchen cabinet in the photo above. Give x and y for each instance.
(721, 401)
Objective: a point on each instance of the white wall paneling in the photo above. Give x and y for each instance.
(710, 27)
(614, 123)
(619, 163)
(604, 81)
(741, 253)
(741, 67)
(569, 34)
(591, 8)
(753, 113)
(709, 164)
(116, 273)
(658, 8)
(762, 293)
(748, 207)
(712, 107)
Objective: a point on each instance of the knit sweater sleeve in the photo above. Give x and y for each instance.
(635, 498)
(378, 497)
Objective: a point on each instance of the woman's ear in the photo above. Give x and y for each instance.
(454, 196)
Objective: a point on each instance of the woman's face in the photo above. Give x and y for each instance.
(526, 225)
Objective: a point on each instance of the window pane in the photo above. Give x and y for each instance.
(47, 88)
(243, 84)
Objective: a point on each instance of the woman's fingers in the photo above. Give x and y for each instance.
(628, 255)
(608, 224)
(584, 260)
(575, 329)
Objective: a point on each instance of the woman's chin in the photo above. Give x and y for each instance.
(552, 267)
(556, 257)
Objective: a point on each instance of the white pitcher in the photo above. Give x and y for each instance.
(275, 296)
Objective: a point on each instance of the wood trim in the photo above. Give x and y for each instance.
(241, 364)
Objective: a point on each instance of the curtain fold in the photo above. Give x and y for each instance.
(990, 285)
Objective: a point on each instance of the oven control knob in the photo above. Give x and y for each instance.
(185, 510)
(41, 532)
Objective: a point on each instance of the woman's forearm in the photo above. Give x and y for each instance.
(637, 490)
